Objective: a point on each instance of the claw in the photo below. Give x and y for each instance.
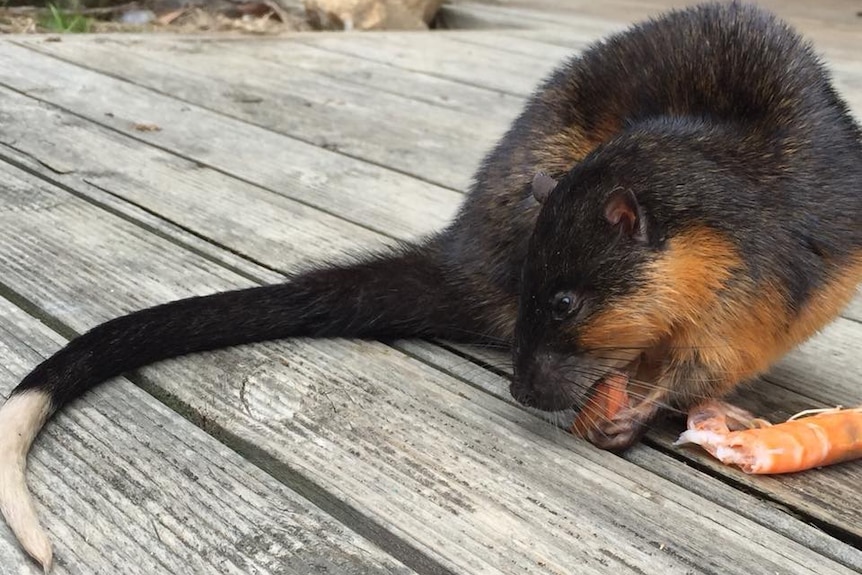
(623, 429)
(609, 422)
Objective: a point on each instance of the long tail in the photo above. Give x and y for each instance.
(409, 294)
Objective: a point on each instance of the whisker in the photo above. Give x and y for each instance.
(630, 392)
(649, 347)
(593, 422)
(597, 372)
(484, 338)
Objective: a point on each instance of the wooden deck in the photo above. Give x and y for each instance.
(140, 169)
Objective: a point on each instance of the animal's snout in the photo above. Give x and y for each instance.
(522, 393)
(538, 383)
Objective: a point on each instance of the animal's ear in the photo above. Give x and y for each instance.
(543, 185)
(624, 212)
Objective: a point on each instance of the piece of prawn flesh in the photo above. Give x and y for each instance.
(814, 438)
(609, 397)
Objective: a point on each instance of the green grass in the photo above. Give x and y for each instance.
(66, 20)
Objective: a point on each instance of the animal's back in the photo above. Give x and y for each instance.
(729, 66)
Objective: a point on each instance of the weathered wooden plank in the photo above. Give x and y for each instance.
(515, 74)
(114, 204)
(381, 199)
(847, 78)
(259, 225)
(474, 15)
(750, 506)
(537, 47)
(837, 37)
(205, 510)
(854, 310)
(391, 437)
(505, 43)
(289, 54)
(405, 133)
(826, 368)
(198, 198)
(395, 49)
(58, 221)
(449, 94)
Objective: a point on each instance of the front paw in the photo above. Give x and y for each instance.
(619, 432)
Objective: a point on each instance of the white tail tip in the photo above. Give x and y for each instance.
(21, 418)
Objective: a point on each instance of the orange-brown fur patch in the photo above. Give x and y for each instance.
(753, 331)
(680, 287)
(732, 334)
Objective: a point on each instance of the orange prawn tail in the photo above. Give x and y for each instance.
(823, 439)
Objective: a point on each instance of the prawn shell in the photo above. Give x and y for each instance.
(789, 447)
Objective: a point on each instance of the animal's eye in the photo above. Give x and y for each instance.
(563, 304)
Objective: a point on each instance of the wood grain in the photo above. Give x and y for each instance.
(388, 202)
(311, 107)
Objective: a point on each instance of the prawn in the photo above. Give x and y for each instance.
(608, 397)
(812, 438)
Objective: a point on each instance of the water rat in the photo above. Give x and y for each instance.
(681, 202)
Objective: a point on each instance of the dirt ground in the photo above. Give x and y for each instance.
(180, 16)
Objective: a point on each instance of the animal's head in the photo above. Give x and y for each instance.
(624, 270)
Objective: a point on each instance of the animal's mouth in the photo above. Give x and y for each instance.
(641, 369)
(619, 406)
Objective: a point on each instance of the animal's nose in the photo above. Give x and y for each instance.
(526, 387)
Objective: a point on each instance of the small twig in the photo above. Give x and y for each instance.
(156, 529)
(332, 403)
